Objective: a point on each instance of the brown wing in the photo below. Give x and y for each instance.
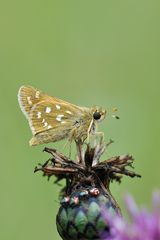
(44, 112)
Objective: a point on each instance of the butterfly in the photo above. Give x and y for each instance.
(52, 119)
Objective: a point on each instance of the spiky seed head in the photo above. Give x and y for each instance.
(82, 217)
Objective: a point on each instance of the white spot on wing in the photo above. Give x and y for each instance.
(45, 124)
(48, 109)
(58, 107)
(29, 100)
(59, 117)
(63, 122)
(37, 94)
(39, 114)
(49, 126)
(43, 120)
(68, 112)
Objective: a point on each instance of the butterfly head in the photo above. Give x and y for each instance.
(98, 113)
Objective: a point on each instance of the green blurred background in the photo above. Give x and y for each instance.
(86, 52)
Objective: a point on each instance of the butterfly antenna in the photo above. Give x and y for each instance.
(114, 110)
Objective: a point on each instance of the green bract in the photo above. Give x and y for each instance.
(83, 219)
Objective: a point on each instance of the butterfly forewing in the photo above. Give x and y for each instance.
(45, 112)
(28, 97)
(51, 115)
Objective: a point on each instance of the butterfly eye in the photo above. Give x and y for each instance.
(96, 115)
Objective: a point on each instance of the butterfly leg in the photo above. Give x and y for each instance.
(80, 152)
(88, 138)
(89, 131)
(100, 137)
(79, 144)
(69, 141)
